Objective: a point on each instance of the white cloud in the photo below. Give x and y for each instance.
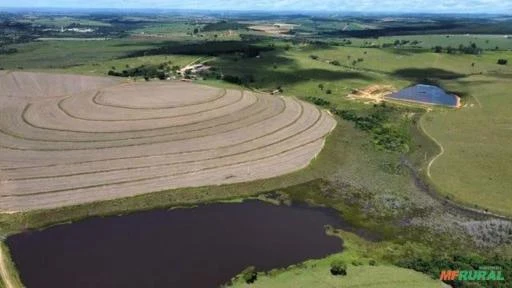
(459, 6)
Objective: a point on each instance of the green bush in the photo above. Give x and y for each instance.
(249, 275)
(338, 268)
(387, 133)
(434, 264)
(318, 101)
(232, 79)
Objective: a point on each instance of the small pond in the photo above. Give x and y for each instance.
(185, 247)
(427, 94)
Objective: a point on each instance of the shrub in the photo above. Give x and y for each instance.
(502, 61)
(318, 101)
(387, 135)
(232, 79)
(336, 63)
(338, 267)
(372, 262)
(328, 91)
(8, 50)
(314, 57)
(249, 275)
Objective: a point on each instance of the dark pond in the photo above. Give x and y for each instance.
(426, 94)
(199, 247)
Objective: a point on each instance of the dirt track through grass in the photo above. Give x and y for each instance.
(70, 144)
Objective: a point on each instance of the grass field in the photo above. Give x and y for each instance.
(357, 255)
(484, 87)
(475, 168)
(486, 42)
(60, 54)
(316, 274)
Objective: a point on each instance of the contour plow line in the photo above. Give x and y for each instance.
(67, 145)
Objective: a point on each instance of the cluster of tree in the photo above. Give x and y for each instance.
(318, 101)
(436, 263)
(398, 43)
(160, 71)
(250, 275)
(338, 268)
(223, 26)
(4, 50)
(369, 44)
(405, 42)
(387, 134)
(335, 63)
(213, 48)
(354, 62)
(343, 42)
(502, 61)
(238, 80)
(471, 49)
(12, 32)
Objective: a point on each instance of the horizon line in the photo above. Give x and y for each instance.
(250, 10)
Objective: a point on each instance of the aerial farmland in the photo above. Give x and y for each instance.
(272, 148)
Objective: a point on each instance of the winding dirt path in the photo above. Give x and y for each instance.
(437, 143)
(457, 207)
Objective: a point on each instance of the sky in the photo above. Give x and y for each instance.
(435, 6)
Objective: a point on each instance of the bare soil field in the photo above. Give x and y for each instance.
(373, 93)
(275, 29)
(68, 139)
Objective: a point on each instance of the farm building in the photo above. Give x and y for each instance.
(427, 94)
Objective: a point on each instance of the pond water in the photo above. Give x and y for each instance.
(426, 94)
(196, 247)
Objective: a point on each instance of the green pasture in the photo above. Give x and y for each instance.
(475, 167)
(316, 274)
(486, 42)
(366, 267)
(62, 54)
(184, 31)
